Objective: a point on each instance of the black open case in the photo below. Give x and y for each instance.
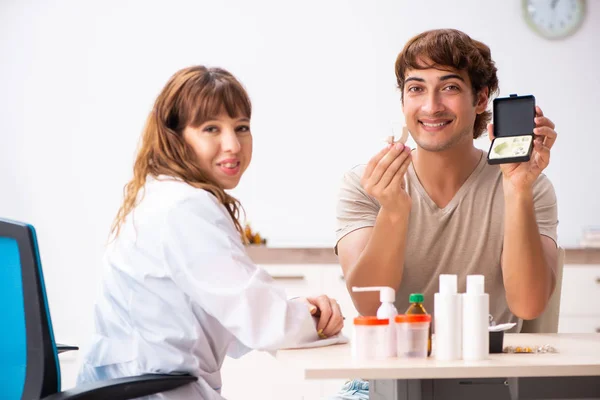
(513, 119)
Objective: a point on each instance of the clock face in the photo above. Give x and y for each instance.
(554, 19)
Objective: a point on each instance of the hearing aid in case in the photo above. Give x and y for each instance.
(513, 119)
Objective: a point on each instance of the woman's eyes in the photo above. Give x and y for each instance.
(215, 129)
(243, 129)
(211, 129)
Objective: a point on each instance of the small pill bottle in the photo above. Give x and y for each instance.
(370, 340)
(412, 335)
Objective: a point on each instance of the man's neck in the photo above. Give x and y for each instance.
(442, 173)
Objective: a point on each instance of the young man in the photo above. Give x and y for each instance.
(409, 216)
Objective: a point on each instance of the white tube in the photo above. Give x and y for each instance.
(476, 310)
(447, 309)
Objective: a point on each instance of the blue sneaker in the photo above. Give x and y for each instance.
(356, 389)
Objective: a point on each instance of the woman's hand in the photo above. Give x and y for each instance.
(329, 314)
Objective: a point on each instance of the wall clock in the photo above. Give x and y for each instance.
(554, 19)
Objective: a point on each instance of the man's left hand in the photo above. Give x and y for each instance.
(521, 176)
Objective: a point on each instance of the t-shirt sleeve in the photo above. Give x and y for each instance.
(355, 208)
(546, 209)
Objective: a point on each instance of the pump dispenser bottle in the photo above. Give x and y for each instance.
(447, 308)
(387, 310)
(476, 310)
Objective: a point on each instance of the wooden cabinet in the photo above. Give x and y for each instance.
(571, 324)
(258, 375)
(69, 368)
(335, 287)
(580, 299)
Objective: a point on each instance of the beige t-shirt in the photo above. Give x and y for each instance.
(463, 238)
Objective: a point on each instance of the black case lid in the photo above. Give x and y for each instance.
(514, 115)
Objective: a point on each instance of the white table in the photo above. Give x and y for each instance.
(571, 373)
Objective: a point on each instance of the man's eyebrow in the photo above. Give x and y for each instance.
(442, 78)
(414, 78)
(451, 76)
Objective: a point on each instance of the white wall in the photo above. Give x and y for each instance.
(78, 78)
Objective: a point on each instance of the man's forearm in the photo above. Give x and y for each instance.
(527, 277)
(381, 263)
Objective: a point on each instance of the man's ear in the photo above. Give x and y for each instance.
(482, 100)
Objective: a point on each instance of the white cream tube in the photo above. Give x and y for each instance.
(447, 309)
(476, 310)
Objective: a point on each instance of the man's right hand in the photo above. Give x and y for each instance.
(374, 255)
(384, 178)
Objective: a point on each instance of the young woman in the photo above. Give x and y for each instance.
(179, 292)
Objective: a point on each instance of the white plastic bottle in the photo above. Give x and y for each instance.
(447, 309)
(476, 310)
(387, 310)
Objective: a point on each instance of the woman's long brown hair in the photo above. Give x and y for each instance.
(191, 97)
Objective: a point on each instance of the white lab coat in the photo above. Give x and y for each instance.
(179, 293)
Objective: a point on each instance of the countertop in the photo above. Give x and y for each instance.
(578, 354)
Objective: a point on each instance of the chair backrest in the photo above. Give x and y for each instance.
(548, 321)
(29, 366)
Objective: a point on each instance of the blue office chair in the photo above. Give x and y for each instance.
(29, 367)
